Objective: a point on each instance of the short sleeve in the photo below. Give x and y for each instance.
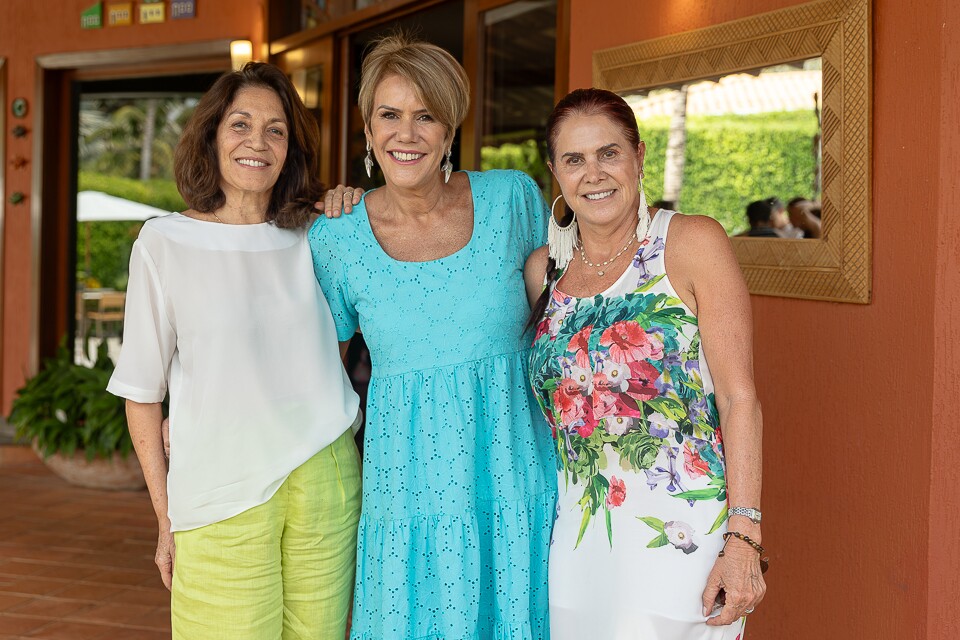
(149, 340)
(330, 273)
(528, 199)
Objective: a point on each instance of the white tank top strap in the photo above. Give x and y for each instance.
(660, 222)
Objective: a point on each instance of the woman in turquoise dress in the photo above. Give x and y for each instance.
(459, 490)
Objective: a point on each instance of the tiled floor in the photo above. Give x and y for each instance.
(76, 564)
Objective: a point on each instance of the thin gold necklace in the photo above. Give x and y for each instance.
(599, 267)
(217, 217)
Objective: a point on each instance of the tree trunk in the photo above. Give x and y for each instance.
(146, 148)
(676, 149)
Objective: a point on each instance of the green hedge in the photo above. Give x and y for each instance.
(525, 156)
(734, 160)
(103, 248)
(161, 194)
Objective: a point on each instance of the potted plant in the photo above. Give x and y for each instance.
(78, 428)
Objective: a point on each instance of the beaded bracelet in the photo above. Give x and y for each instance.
(747, 539)
(764, 562)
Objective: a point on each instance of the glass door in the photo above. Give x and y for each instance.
(515, 85)
(438, 24)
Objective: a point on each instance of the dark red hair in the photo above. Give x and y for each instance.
(581, 102)
(592, 102)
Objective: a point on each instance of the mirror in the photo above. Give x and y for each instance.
(729, 117)
(743, 149)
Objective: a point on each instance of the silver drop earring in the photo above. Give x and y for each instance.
(368, 161)
(447, 167)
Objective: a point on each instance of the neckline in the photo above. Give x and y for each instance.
(473, 230)
(216, 223)
(629, 266)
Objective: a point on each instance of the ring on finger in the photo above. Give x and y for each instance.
(747, 611)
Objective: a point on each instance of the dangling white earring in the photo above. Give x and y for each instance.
(561, 241)
(447, 167)
(643, 224)
(368, 161)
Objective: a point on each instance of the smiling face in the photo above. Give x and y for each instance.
(252, 142)
(408, 142)
(597, 168)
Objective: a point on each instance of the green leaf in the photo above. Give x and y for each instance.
(583, 527)
(721, 518)
(698, 494)
(654, 523)
(659, 541)
(609, 527)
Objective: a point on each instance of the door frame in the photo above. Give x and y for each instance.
(3, 185)
(50, 312)
(320, 52)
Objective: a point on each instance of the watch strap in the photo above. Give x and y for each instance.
(748, 512)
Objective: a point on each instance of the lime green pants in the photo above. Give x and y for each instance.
(281, 570)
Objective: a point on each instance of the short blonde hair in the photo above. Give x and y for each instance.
(439, 80)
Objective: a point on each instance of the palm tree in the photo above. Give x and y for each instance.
(132, 138)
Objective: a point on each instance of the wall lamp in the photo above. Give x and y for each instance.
(241, 52)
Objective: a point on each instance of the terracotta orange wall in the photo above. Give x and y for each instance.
(31, 28)
(943, 617)
(860, 449)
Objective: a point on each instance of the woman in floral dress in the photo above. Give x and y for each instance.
(637, 300)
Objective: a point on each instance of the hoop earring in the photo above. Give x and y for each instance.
(561, 241)
(643, 224)
(368, 161)
(447, 167)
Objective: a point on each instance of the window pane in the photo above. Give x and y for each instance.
(520, 69)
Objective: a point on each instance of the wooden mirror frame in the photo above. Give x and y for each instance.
(837, 266)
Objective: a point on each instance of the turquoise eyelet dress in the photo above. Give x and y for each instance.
(459, 486)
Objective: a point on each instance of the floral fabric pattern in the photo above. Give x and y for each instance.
(625, 389)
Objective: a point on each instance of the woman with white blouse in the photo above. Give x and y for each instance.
(259, 505)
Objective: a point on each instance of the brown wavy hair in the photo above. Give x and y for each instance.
(197, 168)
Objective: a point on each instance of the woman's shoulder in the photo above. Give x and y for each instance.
(501, 177)
(162, 229)
(696, 232)
(341, 229)
(344, 239)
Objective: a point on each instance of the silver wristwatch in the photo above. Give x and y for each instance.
(749, 512)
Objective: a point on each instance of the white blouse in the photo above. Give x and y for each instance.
(231, 320)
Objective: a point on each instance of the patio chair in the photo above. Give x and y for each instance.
(109, 310)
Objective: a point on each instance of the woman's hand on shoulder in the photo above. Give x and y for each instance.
(534, 272)
(340, 199)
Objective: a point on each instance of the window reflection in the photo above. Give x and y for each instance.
(718, 145)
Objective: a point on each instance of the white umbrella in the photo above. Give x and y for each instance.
(94, 206)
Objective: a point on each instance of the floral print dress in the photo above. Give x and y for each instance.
(622, 380)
